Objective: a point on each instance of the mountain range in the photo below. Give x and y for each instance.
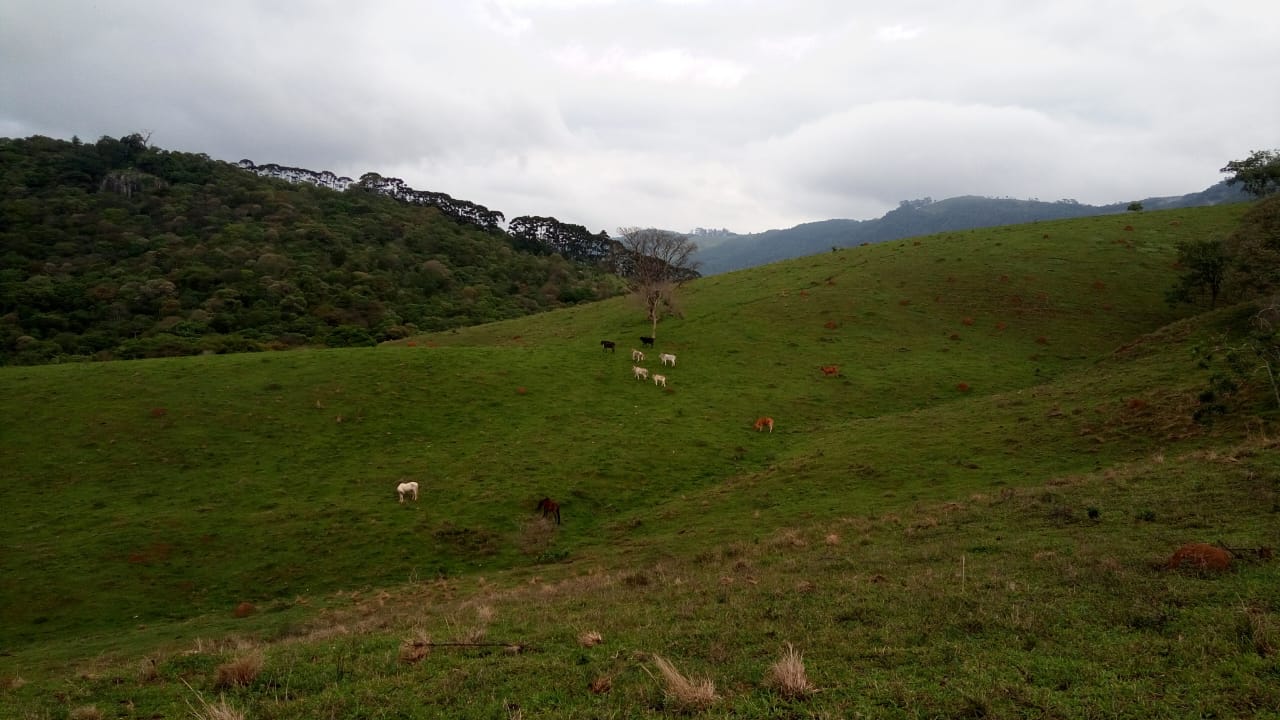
(722, 251)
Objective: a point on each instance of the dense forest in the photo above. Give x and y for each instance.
(118, 249)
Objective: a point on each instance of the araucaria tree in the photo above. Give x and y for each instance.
(655, 263)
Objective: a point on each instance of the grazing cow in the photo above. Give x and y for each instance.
(660, 380)
(646, 341)
(636, 355)
(549, 508)
(668, 359)
(407, 489)
(764, 422)
(830, 370)
(639, 372)
(607, 345)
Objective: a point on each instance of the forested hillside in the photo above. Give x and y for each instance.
(117, 249)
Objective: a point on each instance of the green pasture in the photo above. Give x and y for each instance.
(919, 524)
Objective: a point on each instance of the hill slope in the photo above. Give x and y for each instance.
(920, 516)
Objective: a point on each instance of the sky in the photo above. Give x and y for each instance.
(740, 114)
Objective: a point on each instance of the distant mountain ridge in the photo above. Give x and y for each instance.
(722, 251)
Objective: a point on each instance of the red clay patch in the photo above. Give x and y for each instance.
(1200, 556)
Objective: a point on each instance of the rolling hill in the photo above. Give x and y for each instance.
(969, 519)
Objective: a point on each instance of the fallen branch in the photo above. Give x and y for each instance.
(512, 647)
(1261, 553)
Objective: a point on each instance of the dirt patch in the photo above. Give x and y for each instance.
(1200, 556)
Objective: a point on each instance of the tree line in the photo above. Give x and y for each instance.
(1242, 268)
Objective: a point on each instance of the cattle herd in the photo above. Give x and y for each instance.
(640, 372)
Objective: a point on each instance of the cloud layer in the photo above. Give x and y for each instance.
(745, 114)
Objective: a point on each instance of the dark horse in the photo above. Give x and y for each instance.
(645, 340)
(607, 345)
(549, 508)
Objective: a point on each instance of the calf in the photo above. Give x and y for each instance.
(636, 355)
(764, 422)
(660, 380)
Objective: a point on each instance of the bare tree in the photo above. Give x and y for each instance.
(655, 263)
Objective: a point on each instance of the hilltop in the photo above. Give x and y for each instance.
(971, 517)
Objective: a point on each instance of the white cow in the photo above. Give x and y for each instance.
(639, 372)
(407, 489)
(668, 359)
(637, 356)
(660, 380)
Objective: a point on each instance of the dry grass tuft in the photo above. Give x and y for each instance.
(683, 693)
(85, 712)
(787, 676)
(833, 539)
(239, 672)
(601, 685)
(11, 682)
(212, 711)
(590, 638)
(1259, 631)
(413, 650)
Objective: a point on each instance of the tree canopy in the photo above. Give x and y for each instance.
(1258, 174)
(655, 263)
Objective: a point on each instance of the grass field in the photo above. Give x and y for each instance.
(969, 520)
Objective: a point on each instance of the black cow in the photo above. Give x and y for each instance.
(608, 345)
(646, 340)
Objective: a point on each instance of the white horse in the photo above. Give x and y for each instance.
(636, 355)
(409, 489)
(668, 359)
(639, 372)
(660, 380)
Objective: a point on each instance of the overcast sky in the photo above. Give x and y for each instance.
(742, 114)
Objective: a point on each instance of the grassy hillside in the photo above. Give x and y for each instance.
(965, 521)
